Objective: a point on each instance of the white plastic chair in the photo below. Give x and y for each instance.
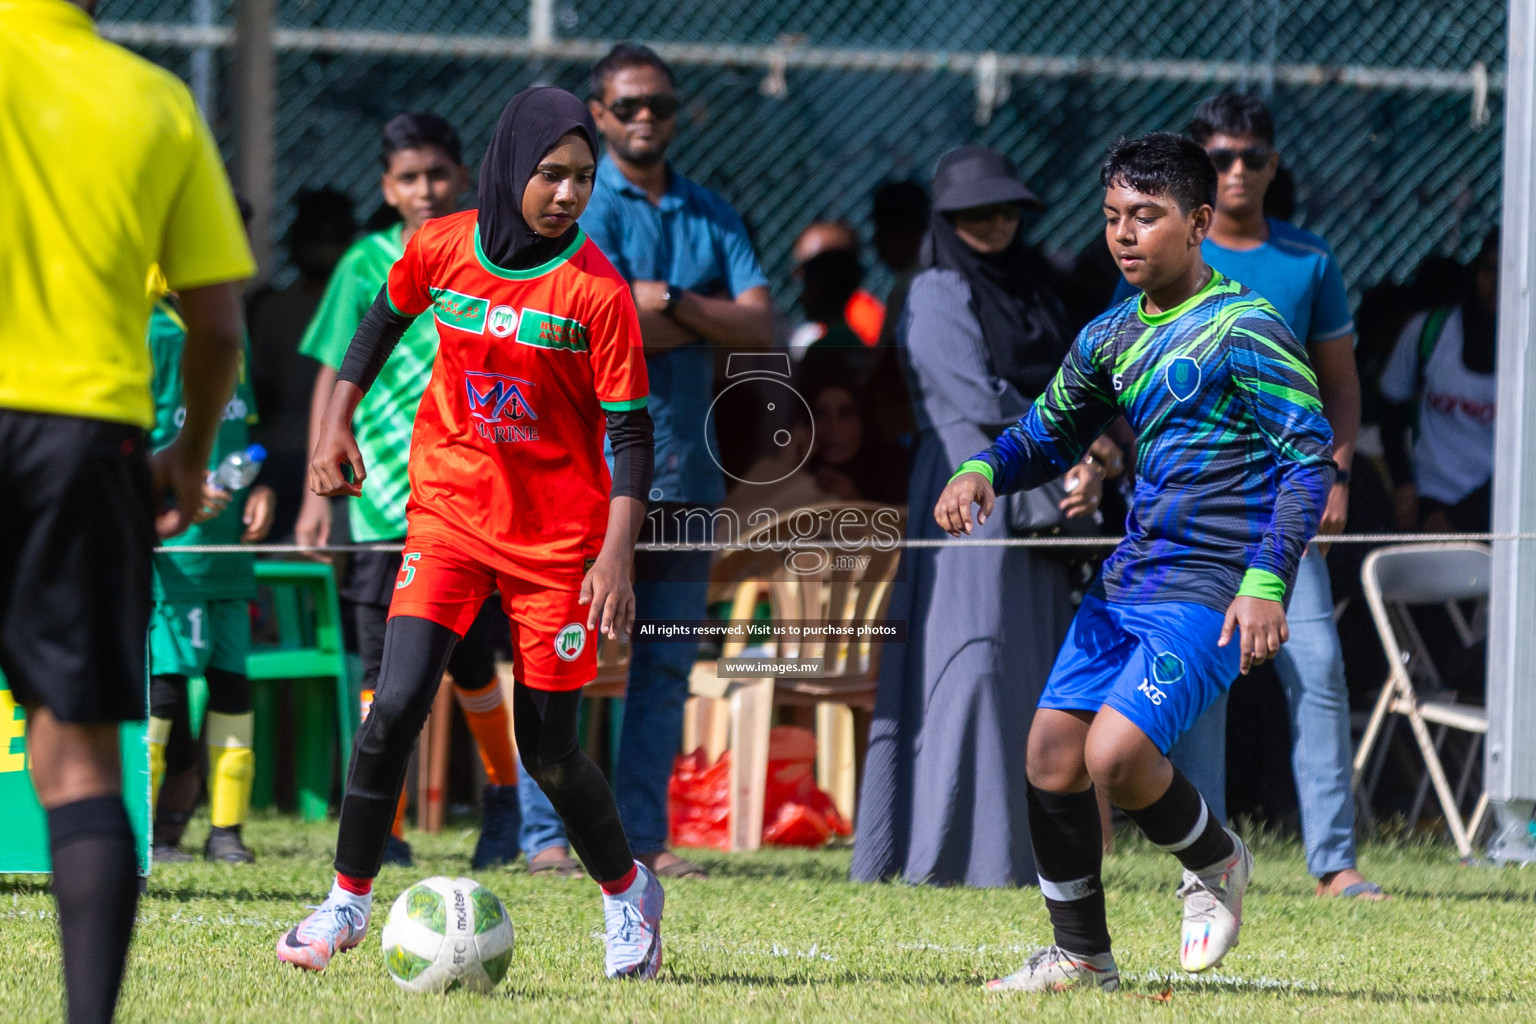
(1395, 578)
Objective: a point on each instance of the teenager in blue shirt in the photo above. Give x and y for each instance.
(1233, 474)
(1296, 272)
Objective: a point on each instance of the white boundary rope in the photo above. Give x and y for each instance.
(861, 545)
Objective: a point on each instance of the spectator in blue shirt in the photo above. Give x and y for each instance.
(1296, 272)
(697, 285)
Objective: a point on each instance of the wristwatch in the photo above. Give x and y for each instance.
(671, 297)
(1341, 477)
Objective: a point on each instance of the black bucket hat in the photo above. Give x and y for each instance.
(978, 176)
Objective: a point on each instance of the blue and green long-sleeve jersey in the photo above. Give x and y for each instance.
(1234, 456)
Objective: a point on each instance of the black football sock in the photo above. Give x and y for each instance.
(415, 653)
(1068, 840)
(1181, 822)
(96, 889)
(545, 723)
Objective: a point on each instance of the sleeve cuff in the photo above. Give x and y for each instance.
(1263, 584)
(975, 466)
(625, 406)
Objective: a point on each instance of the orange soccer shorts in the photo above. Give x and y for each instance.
(552, 649)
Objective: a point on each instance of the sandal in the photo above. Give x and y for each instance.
(559, 867)
(1356, 891)
(681, 869)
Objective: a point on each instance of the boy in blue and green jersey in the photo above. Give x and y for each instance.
(201, 622)
(1234, 472)
(423, 176)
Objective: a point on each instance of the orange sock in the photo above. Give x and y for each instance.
(486, 714)
(398, 831)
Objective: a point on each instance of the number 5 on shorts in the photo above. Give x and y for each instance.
(408, 569)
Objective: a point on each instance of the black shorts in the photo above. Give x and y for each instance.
(370, 585)
(76, 533)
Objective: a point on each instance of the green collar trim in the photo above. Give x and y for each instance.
(531, 272)
(1169, 315)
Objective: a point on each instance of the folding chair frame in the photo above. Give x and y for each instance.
(1395, 628)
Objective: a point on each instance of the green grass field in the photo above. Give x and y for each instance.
(782, 935)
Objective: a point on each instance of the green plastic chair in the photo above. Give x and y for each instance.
(309, 655)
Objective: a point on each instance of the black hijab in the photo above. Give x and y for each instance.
(1021, 318)
(532, 124)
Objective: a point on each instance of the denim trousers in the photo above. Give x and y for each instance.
(1311, 668)
(668, 585)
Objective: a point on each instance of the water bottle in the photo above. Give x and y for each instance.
(239, 469)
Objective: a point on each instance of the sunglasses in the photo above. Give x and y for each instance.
(628, 108)
(1254, 157)
(1007, 211)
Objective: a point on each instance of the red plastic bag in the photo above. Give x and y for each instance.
(699, 801)
(795, 811)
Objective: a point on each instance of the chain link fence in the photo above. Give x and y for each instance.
(1388, 111)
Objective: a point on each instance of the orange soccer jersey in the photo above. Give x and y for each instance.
(506, 457)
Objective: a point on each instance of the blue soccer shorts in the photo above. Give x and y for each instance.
(1157, 664)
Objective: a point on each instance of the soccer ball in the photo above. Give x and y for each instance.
(447, 933)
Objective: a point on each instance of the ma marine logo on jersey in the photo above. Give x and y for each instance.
(1183, 377)
(571, 641)
(493, 395)
(496, 399)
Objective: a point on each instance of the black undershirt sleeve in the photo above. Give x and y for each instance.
(632, 435)
(375, 338)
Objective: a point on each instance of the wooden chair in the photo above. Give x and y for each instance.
(821, 566)
(1395, 578)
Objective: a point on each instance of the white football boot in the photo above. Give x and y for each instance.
(1213, 909)
(1053, 969)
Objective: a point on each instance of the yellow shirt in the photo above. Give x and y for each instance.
(108, 169)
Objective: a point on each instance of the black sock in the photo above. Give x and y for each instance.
(1180, 822)
(1068, 841)
(415, 652)
(545, 723)
(96, 889)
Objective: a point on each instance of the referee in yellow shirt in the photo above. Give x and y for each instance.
(109, 170)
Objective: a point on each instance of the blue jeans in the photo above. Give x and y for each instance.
(1311, 667)
(668, 585)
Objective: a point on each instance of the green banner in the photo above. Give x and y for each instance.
(24, 840)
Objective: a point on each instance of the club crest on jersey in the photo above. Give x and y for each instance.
(571, 641)
(1167, 668)
(502, 321)
(501, 406)
(1183, 377)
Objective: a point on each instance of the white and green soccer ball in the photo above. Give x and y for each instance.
(447, 933)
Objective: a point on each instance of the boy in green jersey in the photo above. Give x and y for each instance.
(424, 174)
(201, 623)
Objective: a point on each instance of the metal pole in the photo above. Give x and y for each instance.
(202, 60)
(1510, 762)
(541, 25)
(255, 74)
